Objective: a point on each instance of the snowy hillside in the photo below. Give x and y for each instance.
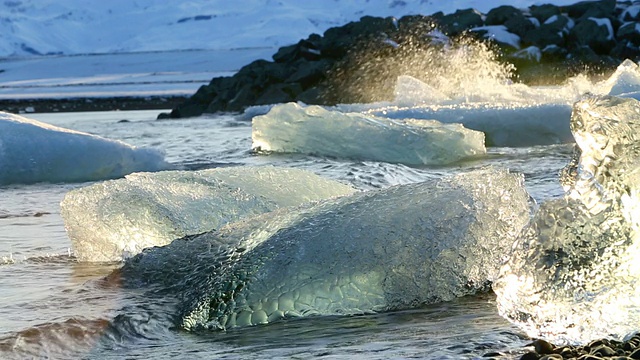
(36, 27)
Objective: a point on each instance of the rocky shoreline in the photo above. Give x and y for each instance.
(595, 350)
(21, 106)
(546, 44)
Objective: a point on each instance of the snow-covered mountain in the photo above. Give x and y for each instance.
(37, 27)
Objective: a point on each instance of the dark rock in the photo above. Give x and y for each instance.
(598, 9)
(265, 72)
(543, 347)
(632, 13)
(286, 53)
(164, 116)
(278, 93)
(629, 31)
(544, 36)
(553, 53)
(246, 96)
(560, 23)
(337, 41)
(203, 95)
(519, 25)
(313, 95)
(603, 350)
(586, 56)
(461, 20)
(501, 14)
(216, 105)
(626, 346)
(596, 343)
(566, 351)
(530, 356)
(597, 36)
(552, 357)
(590, 357)
(411, 23)
(544, 12)
(306, 49)
(635, 354)
(309, 73)
(188, 110)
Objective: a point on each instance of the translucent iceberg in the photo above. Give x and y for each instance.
(315, 130)
(512, 125)
(372, 251)
(32, 151)
(116, 219)
(573, 274)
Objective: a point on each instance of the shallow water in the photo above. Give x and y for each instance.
(53, 306)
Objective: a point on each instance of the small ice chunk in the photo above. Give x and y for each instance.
(292, 128)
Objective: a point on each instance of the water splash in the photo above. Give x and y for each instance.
(369, 72)
(573, 273)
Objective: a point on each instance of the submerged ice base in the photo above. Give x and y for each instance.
(380, 250)
(315, 130)
(113, 220)
(573, 274)
(32, 151)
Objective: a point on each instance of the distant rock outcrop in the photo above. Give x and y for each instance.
(553, 43)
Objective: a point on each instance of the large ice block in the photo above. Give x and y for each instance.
(112, 220)
(394, 248)
(315, 130)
